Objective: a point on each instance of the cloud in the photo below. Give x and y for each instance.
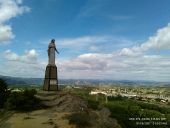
(22, 69)
(110, 66)
(127, 63)
(9, 9)
(131, 63)
(89, 40)
(11, 55)
(160, 41)
(93, 48)
(88, 61)
(81, 40)
(93, 43)
(25, 65)
(127, 52)
(5, 33)
(28, 57)
(89, 66)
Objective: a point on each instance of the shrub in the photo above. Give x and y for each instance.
(81, 119)
(23, 101)
(151, 113)
(3, 92)
(93, 104)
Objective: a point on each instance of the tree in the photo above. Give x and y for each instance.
(3, 92)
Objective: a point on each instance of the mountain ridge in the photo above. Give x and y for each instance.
(39, 81)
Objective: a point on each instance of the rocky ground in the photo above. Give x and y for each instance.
(62, 101)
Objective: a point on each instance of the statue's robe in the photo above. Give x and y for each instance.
(51, 54)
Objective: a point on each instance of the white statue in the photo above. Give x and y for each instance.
(51, 52)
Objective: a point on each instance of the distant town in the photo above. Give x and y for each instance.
(148, 94)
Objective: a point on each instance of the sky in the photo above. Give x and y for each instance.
(97, 39)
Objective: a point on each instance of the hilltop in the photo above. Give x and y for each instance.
(62, 107)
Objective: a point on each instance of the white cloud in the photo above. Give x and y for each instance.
(25, 65)
(91, 65)
(88, 62)
(127, 63)
(9, 9)
(81, 40)
(5, 33)
(31, 55)
(128, 52)
(11, 55)
(28, 57)
(160, 41)
(109, 66)
(22, 69)
(102, 44)
(93, 48)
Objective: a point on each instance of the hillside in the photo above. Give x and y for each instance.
(21, 81)
(61, 107)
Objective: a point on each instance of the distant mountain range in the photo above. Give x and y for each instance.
(21, 81)
(39, 81)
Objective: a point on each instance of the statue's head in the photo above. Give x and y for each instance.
(53, 40)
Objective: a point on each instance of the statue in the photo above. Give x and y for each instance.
(51, 77)
(51, 52)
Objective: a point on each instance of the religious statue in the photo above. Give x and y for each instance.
(51, 52)
(51, 76)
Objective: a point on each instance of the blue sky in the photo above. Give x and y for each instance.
(111, 39)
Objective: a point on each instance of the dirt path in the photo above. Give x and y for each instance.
(4, 118)
(38, 119)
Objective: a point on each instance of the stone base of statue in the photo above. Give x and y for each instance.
(51, 78)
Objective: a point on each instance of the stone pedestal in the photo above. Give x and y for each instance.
(51, 78)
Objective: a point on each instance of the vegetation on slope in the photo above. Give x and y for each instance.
(20, 101)
(81, 119)
(125, 110)
(23, 101)
(3, 93)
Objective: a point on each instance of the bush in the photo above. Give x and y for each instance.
(116, 98)
(93, 104)
(81, 119)
(3, 92)
(151, 113)
(23, 101)
(164, 110)
(167, 116)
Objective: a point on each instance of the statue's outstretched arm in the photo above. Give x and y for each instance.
(57, 51)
